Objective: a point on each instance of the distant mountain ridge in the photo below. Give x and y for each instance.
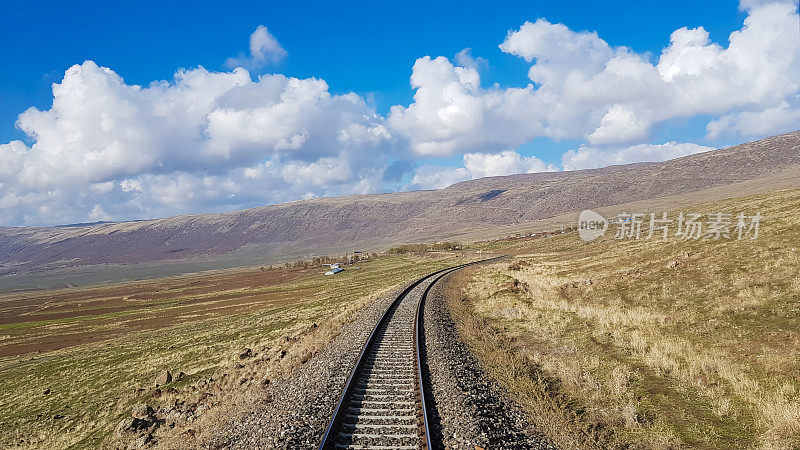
(336, 224)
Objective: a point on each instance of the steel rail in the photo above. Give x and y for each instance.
(330, 436)
(418, 329)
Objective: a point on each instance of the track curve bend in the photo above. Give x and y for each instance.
(383, 403)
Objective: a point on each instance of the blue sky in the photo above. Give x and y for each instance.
(370, 50)
(365, 49)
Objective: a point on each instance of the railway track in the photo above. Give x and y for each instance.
(383, 403)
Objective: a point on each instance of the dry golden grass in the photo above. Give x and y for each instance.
(654, 344)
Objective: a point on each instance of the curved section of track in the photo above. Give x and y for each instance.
(383, 403)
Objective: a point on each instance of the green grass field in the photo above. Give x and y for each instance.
(113, 356)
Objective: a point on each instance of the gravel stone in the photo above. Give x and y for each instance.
(295, 410)
(469, 410)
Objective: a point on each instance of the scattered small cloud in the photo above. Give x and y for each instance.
(264, 50)
(464, 58)
(98, 215)
(477, 165)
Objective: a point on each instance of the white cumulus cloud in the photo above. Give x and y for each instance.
(586, 157)
(452, 113)
(198, 142)
(583, 88)
(210, 141)
(477, 165)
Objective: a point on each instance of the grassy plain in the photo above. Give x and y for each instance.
(645, 343)
(74, 361)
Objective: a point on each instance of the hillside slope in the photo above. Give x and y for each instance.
(371, 221)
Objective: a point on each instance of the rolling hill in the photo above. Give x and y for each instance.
(480, 207)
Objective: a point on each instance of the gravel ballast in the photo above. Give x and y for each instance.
(469, 410)
(295, 410)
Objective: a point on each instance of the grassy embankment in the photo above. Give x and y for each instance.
(647, 343)
(116, 339)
